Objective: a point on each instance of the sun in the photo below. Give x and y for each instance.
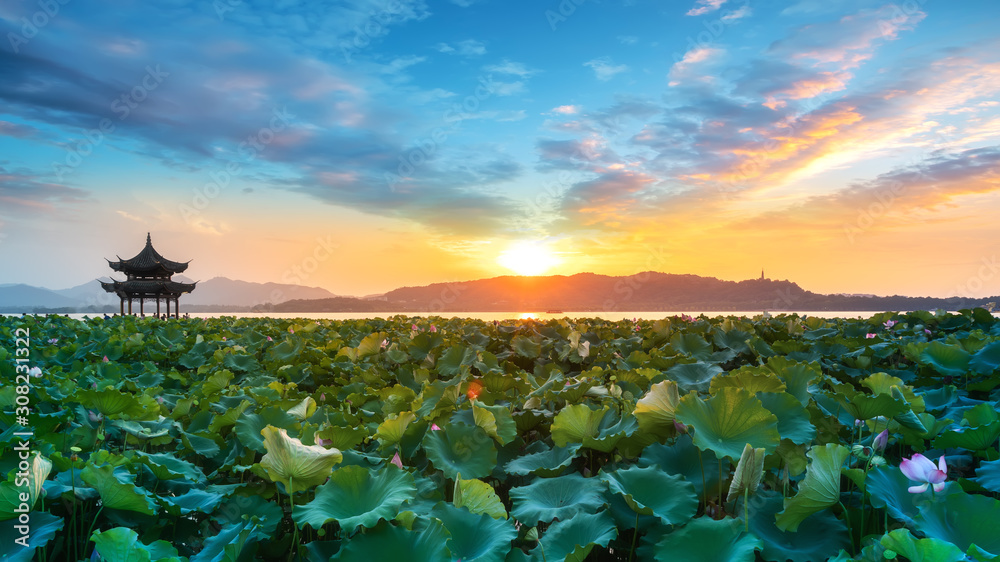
(528, 258)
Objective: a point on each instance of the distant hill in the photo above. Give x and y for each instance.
(649, 291)
(219, 292)
(28, 296)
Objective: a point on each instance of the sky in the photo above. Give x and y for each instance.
(364, 145)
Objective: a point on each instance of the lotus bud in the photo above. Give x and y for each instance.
(749, 471)
(880, 441)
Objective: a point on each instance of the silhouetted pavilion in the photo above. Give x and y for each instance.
(149, 277)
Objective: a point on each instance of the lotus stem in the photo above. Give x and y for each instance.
(635, 535)
(746, 515)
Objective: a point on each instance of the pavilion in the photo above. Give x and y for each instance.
(148, 278)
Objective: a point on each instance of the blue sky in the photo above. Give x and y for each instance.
(849, 146)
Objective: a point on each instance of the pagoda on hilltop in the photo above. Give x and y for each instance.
(149, 278)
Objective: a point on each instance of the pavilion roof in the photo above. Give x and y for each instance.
(148, 261)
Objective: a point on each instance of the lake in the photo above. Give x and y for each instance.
(543, 316)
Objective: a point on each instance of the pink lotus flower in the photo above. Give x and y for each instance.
(869, 335)
(35, 372)
(396, 460)
(385, 343)
(927, 332)
(889, 324)
(919, 468)
(94, 416)
(105, 359)
(54, 341)
(269, 338)
(434, 427)
(681, 428)
(433, 328)
(881, 440)
(322, 397)
(291, 330)
(223, 338)
(413, 327)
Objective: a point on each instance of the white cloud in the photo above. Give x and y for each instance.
(507, 88)
(129, 216)
(466, 48)
(737, 14)
(605, 68)
(567, 109)
(510, 67)
(628, 39)
(705, 6)
(685, 69)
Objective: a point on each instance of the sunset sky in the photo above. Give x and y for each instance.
(847, 146)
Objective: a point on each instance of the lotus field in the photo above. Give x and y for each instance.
(415, 439)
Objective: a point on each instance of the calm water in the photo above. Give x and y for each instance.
(491, 316)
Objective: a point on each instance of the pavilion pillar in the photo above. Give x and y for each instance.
(130, 306)
(168, 306)
(157, 307)
(121, 300)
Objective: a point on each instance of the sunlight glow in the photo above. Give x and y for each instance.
(528, 258)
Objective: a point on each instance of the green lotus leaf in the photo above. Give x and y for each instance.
(296, 465)
(122, 544)
(981, 414)
(820, 488)
(655, 411)
(963, 520)
(475, 537)
(249, 426)
(303, 410)
(203, 444)
(987, 359)
(478, 497)
(650, 491)
(988, 475)
(903, 543)
(201, 501)
(691, 344)
(166, 466)
(939, 398)
(237, 508)
(391, 431)
(945, 359)
(729, 420)
(526, 347)
(229, 544)
(817, 539)
(390, 543)
(44, 526)
(114, 493)
(575, 423)
(694, 376)
(866, 407)
(461, 448)
(572, 540)
(546, 499)
(548, 463)
(796, 375)
(496, 421)
(975, 438)
(357, 497)
(706, 539)
(793, 419)
(342, 438)
(750, 468)
(109, 402)
(751, 379)
(682, 458)
(889, 488)
(216, 383)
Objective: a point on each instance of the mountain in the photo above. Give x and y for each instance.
(217, 293)
(648, 291)
(20, 295)
(229, 292)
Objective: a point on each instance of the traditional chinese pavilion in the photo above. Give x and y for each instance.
(149, 278)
